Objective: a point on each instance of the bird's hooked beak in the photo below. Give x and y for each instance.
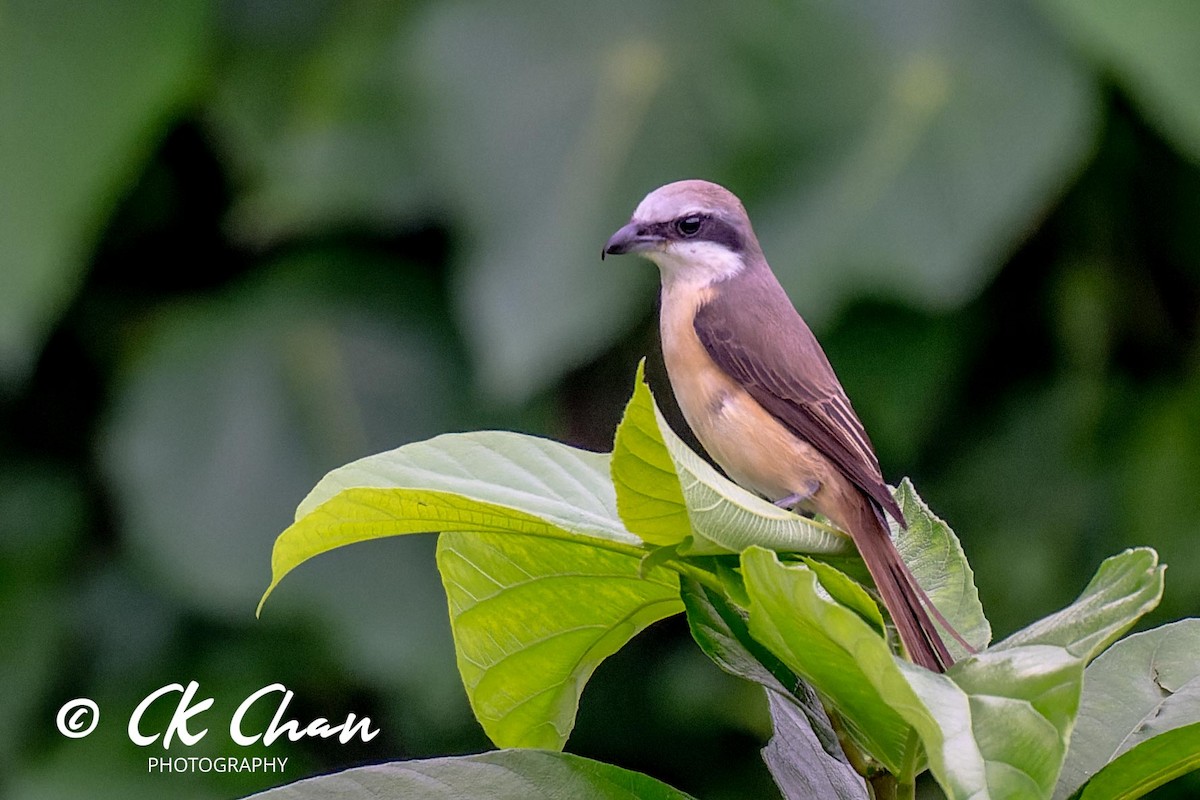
(632, 238)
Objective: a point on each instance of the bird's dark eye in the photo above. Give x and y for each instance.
(689, 226)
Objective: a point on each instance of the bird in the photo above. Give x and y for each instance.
(759, 393)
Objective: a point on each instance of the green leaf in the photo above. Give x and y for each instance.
(804, 755)
(997, 723)
(1022, 695)
(85, 92)
(1147, 766)
(566, 487)
(1138, 692)
(727, 518)
(649, 497)
(831, 647)
(1125, 587)
(534, 617)
(721, 631)
(488, 481)
(933, 553)
(661, 484)
(502, 775)
(1150, 46)
(847, 592)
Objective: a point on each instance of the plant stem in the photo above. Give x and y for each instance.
(858, 760)
(884, 786)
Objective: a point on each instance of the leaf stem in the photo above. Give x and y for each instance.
(701, 576)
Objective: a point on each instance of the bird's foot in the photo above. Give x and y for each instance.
(811, 486)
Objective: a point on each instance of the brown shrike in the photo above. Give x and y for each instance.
(758, 391)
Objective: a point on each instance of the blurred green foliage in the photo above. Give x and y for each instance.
(242, 242)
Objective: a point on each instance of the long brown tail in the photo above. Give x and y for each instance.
(904, 598)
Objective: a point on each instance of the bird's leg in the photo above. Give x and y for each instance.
(796, 498)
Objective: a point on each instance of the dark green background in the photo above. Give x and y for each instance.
(244, 242)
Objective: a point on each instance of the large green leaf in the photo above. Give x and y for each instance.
(997, 723)
(502, 775)
(85, 91)
(566, 487)
(488, 481)
(667, 492)
(1140, 689)
(1150, 46)
(933, 553)
(532, 620)
(1023, 694)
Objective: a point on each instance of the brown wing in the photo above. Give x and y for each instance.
(779, 362)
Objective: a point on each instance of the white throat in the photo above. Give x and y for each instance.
(694, 265)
